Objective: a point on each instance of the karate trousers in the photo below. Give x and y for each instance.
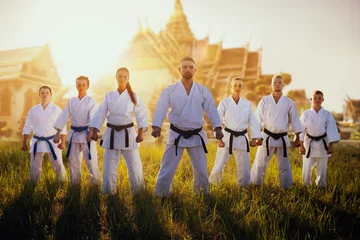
(321, 168)
(134, 165)
(36, 166)
(242, 161)
(261, 163)
(78, 150)
(170, 163)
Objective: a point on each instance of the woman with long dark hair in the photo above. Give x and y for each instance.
(120, 137)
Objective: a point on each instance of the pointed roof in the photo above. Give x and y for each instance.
(32, 63)
(178, 25)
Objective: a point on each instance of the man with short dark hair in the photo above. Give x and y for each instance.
(187, 100)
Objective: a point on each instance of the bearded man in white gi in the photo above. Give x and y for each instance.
(237, 115)
(276, 113)
(80, 109)
(320, 133)
(120, 138)
(187, 100)
(40, 121)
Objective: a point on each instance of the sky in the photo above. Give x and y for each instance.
(316, 41)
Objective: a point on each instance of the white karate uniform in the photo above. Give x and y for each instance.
(119, 110)
(317, 124)
(186, 114)
(40, 121)
(277, 118)
(236, 117)
(80, 112)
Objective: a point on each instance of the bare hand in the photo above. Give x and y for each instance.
(57, 138)
(139, 138)
(25, 147)
(302, 150)
(156, 132)
(218, 133)
(296, 142)
(330, 150)
(253, 143)
(221, 144)
(259, 142)
(95, 136)
(89, 136)
(61, 145)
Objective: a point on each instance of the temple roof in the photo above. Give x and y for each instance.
(178, 25)
(33, 64)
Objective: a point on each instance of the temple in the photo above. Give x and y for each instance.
(153, 60)
(22, 72)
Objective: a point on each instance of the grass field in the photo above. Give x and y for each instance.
(54, 211)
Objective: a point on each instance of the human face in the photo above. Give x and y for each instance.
(187, 69)
(316, 100)
(45, 95)
(81, 86)
(277, 84)
(236, 86)
(122, 78)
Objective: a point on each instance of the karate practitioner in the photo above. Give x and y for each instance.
(320, 133)
(187, 100)
(80, 109)
(40, 121)
(120, 138)
(276, 113)
(237, 116)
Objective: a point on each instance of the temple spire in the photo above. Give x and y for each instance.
(178, 25)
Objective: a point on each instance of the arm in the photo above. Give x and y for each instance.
(61, 122)
(332, 133)
(259, 115)
(141, 119)
(302, 135)
(221, 111)
(295, 123)
(98, 120)
(212, 113)
(27, 130)
(161, 110)
(254, 128)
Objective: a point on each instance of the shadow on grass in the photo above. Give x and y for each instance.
(146, 217)
(29, 216)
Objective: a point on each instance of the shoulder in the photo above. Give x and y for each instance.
(306, 112)
(34, 108)
(265, 99)
(203, 89)
(90, 99)
(246, 102)
(56, 108)
(111, 93)
(171, 87)
(289, 100)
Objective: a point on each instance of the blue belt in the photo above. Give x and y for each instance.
(78, 129)
(48, 142)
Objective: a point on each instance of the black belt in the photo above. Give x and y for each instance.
(318, 138)
(186, 135)
(237, 134)
(119, 128)
(275, 136)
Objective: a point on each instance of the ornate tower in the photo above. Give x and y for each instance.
(179, 28)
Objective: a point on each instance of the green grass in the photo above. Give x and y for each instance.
(54, 211)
